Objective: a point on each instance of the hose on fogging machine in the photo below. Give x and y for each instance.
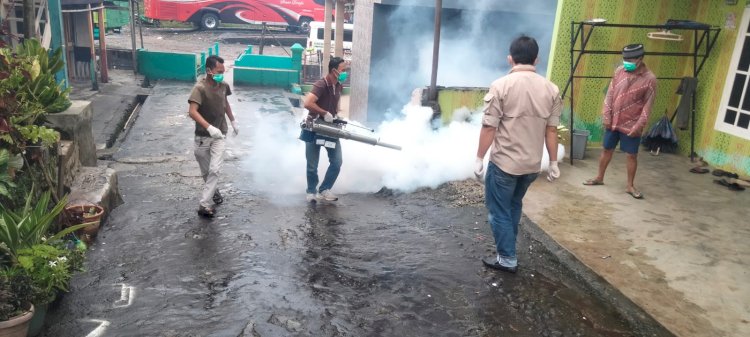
(337, 130)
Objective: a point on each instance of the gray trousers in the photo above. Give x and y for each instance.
(209, 153)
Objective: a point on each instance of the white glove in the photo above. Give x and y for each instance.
(479, 168)
(235, 127)
(328, 117)
(214, 132)
(553, 172)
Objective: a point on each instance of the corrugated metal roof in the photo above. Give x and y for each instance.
(80, 2)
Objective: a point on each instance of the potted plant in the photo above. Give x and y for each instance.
(27, 249)
(16, 309)
(88, 214)
(49, 272)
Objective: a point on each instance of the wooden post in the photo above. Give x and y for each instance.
(103, 45)
(435, 50)
(92, 64)
(339, 50)
(262, 39)
(133, 17)
(67, 41)
(28, 19)
(327, 36)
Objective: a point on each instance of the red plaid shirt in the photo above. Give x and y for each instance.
(629, 100)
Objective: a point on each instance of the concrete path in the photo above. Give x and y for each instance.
(373, 264)
(681, 253)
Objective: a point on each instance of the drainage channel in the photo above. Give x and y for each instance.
(123, 127)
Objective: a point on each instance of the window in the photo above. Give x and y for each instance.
(734, 113)
(347, 34)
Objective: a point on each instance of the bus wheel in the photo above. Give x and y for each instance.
(209, 21)
(304, 25)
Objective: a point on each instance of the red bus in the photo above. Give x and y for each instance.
(293, 14)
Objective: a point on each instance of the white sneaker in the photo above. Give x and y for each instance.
(311, 197)
(328, 196)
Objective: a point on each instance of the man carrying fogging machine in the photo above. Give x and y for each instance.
(321, 128)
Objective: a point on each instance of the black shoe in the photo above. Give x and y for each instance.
(218, 199)
(206, 212)
(491, 262)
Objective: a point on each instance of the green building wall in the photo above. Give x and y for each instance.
(718, 148)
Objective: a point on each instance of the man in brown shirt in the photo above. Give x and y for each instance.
(323, 102)
(625, 112)
(521, 114)
(208, 105)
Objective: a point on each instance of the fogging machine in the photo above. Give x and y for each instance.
(337, 129)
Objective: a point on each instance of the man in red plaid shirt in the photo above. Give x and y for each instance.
(625, 113)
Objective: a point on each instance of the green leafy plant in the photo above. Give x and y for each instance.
(39, 135)
(29, 226)
(29, 91)
(6, 181)
(49, 271)
(43, 65)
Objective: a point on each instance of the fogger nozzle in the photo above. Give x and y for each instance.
(331, 130)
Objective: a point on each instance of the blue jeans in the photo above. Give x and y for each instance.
(335, 159)
(504, 198)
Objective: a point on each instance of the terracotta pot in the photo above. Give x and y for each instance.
(78, 214)
(17, 326)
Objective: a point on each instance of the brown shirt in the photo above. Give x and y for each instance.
(328, 93)
(521, 105)
(629, 100)
(211, 102)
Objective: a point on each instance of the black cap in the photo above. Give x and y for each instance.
(632, 51)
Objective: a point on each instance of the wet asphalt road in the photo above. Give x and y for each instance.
(382, 264)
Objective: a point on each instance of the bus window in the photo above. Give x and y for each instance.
(347, 34)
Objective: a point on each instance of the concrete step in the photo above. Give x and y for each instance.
(96, 185)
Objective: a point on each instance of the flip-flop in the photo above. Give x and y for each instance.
(719, 172)
(732, 186)
(722, 182)
(735, 187)
(699, 170)
(635, 194)
(593, 182)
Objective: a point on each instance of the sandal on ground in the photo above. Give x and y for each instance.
(593, 182)
(218, 198)
(206, 212)
(699, 170)
(719, 172)
(736, 187)
(635, 194)
(733, 186)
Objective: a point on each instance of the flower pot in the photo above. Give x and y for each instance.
(91, 214)
(37, 322)
(17, 326)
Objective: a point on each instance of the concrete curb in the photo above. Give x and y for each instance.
(642, 322)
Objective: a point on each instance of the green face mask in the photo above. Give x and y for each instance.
(343, 76)
(629, 66)
(218, 77)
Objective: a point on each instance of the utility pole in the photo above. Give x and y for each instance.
(29, 19)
